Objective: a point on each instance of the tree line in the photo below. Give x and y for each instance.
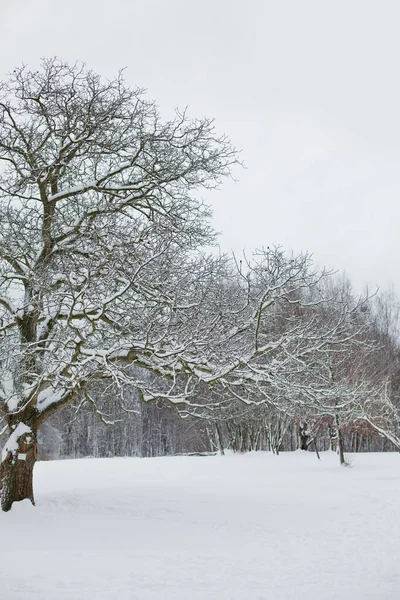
(159, 429)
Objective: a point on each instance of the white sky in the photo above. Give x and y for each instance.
(309, 89)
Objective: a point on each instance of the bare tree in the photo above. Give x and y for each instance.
(99, 228)
(293, 351)
(378, 406)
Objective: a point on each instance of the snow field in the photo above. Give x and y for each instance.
(248, 527)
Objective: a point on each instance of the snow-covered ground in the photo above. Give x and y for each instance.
(246, 527)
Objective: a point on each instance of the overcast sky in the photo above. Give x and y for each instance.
(309, 90)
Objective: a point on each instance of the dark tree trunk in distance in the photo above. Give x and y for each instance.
(339, 439)
(304, 436)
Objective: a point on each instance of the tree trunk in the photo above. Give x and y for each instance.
(314, 441)
(220, 440)
(339, 438)
(16, 470)
(304, 436)
(340, 449)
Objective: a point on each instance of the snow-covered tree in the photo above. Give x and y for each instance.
(293, 350)
(99, 228)
(103, 281)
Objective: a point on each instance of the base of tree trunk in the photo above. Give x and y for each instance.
(16, 471)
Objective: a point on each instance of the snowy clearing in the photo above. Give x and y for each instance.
(251, 526)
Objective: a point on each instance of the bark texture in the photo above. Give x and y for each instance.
(16, 470)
